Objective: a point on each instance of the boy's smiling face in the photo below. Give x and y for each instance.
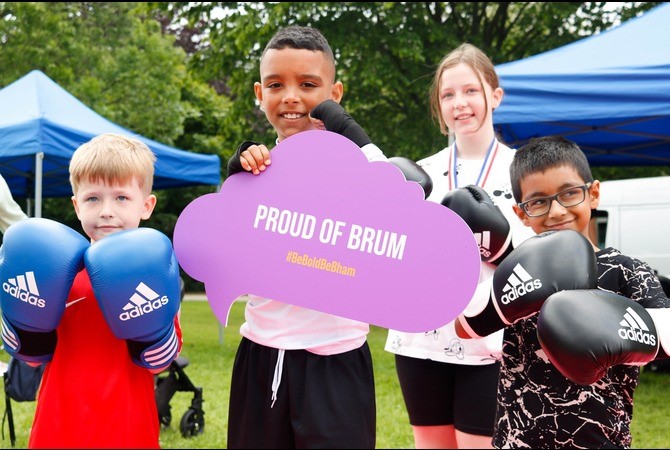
(293, 82)
(551, 182)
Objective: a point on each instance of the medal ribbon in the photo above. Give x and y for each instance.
(485, 170)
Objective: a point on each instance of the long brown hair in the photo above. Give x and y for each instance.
(477, 60)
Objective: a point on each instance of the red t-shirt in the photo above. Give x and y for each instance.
(92, 395)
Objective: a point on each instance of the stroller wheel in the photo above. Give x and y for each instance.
(192, 423)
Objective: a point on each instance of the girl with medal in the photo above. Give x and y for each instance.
(449, 384)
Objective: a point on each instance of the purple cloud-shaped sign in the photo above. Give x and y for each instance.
(325, 229)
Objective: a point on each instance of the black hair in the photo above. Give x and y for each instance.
(300, 38)
(543, 153)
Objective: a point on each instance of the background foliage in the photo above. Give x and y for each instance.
(386, 51)
(182, 73)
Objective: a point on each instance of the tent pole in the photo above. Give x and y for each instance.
(39, 156)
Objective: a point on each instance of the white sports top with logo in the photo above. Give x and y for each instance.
(493, 174)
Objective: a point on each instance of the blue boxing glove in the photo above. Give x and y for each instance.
(336, 119)
(135, 278)
(39, 260)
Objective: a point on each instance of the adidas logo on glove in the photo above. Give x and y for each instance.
(484, 242)
(24, 287)
(519, 284)
(145, 300)
(634, 329)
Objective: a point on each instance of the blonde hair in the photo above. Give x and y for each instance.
(114, 159)
(478, 62)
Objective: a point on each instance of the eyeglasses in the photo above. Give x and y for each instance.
(569, 197)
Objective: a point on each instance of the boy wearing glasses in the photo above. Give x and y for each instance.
(538, 407)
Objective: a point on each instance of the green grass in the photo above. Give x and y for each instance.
(210, 349)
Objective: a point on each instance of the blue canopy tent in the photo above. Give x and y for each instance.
(610, 93)
(41, 125)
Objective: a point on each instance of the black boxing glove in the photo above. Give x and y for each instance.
(413, 172)
(487, 222)
(542, 265)
(586, 332)
(336, 119)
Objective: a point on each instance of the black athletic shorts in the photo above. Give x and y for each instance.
(438, 393)
(322, 401)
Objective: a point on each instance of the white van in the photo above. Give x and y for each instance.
(634, 217)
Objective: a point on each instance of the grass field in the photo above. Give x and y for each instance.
(210, 349)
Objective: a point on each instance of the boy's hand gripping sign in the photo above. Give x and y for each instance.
(323, 228)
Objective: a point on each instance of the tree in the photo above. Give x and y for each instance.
(115, 59)
(104, 54)
(387, 52)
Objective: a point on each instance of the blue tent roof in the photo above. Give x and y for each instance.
(37, 115)
(610, 93)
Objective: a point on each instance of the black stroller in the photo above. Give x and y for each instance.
(193, 421)
(173, 380)
(21, 382)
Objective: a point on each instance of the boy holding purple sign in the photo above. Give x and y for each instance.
(301, 378)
